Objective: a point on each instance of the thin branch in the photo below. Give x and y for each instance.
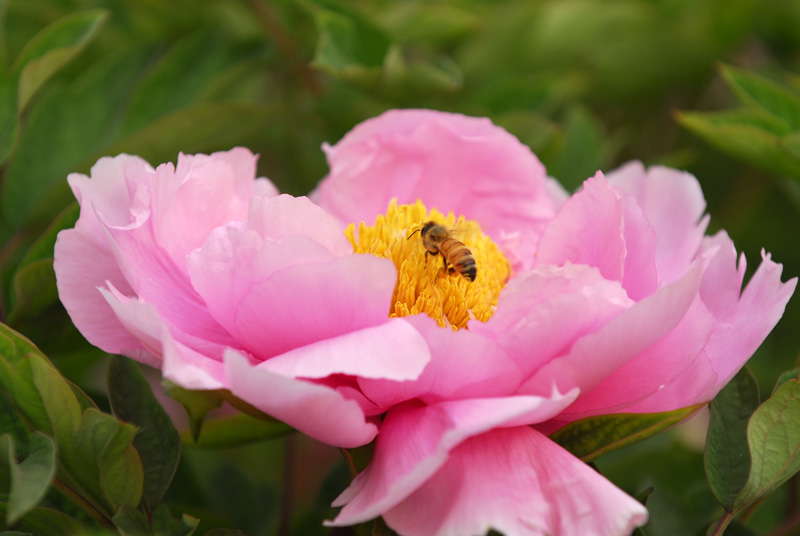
(287, 505)
(286, 45)
(84, 504)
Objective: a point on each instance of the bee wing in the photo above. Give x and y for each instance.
(462, 229)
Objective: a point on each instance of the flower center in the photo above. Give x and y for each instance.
(409, 235)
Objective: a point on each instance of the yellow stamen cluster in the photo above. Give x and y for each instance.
(423, 285)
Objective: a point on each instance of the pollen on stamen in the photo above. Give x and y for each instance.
(423, 284)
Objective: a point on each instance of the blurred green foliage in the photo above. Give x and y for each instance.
(586, 84)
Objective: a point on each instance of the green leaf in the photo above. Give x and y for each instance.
(758, 91)
(34, 290)
(592, 437)
(198, 129)
(131, 522)
(163, 523)
(30, 478)
(37, 390)
(727, 457)
(774, 438)
(157, 441)
(12, 424)
(107, 443)
(98, 460)
(34, 279)
(585, 149)
(54, 47)
(59, 401)
(224, 532)
(169, 86)
(9, 119)
(405, 81)
(746, 141)
(196, 403)
(43, 247)
(236, 430)
(349, 45)
(791, 143)
(35, 189)
(189, 525)
(748, 117)
(47, 522)
(644, 495)
(793, 374)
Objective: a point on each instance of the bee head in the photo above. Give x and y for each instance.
(424, 230)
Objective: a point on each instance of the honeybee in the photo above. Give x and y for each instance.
(438, 239)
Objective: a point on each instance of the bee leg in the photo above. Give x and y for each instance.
(451, 269)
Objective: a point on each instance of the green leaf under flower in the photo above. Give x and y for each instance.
(97, 461)
(727, 457)
(590, 438)
(196, 403)
(157, 441)
(31, 476)
(235, 430)
(773, 436)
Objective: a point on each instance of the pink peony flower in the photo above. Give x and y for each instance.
(618, 303)
(191, 267)
(609, 300)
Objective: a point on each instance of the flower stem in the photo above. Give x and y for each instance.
(722, 524)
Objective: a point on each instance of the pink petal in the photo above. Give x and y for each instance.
(78, 281)
(516, 481)
(264, 187)
(393, 350)
(284, 216)
(313, 302)
(745, 327)
(315, 410)
(281, 232)
(722, 279)
(588, 229)
(156, 279)
(106, 193)
(415, 440)
(202, 193)
(673, 203)
(695, 384)
(653, 369)
(641, 277)
(179, 363)
(542, 313)
(462, 365)
(449, 161)
(234, 259)
(599, 354)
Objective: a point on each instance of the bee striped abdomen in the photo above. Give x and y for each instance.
(459, 255)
